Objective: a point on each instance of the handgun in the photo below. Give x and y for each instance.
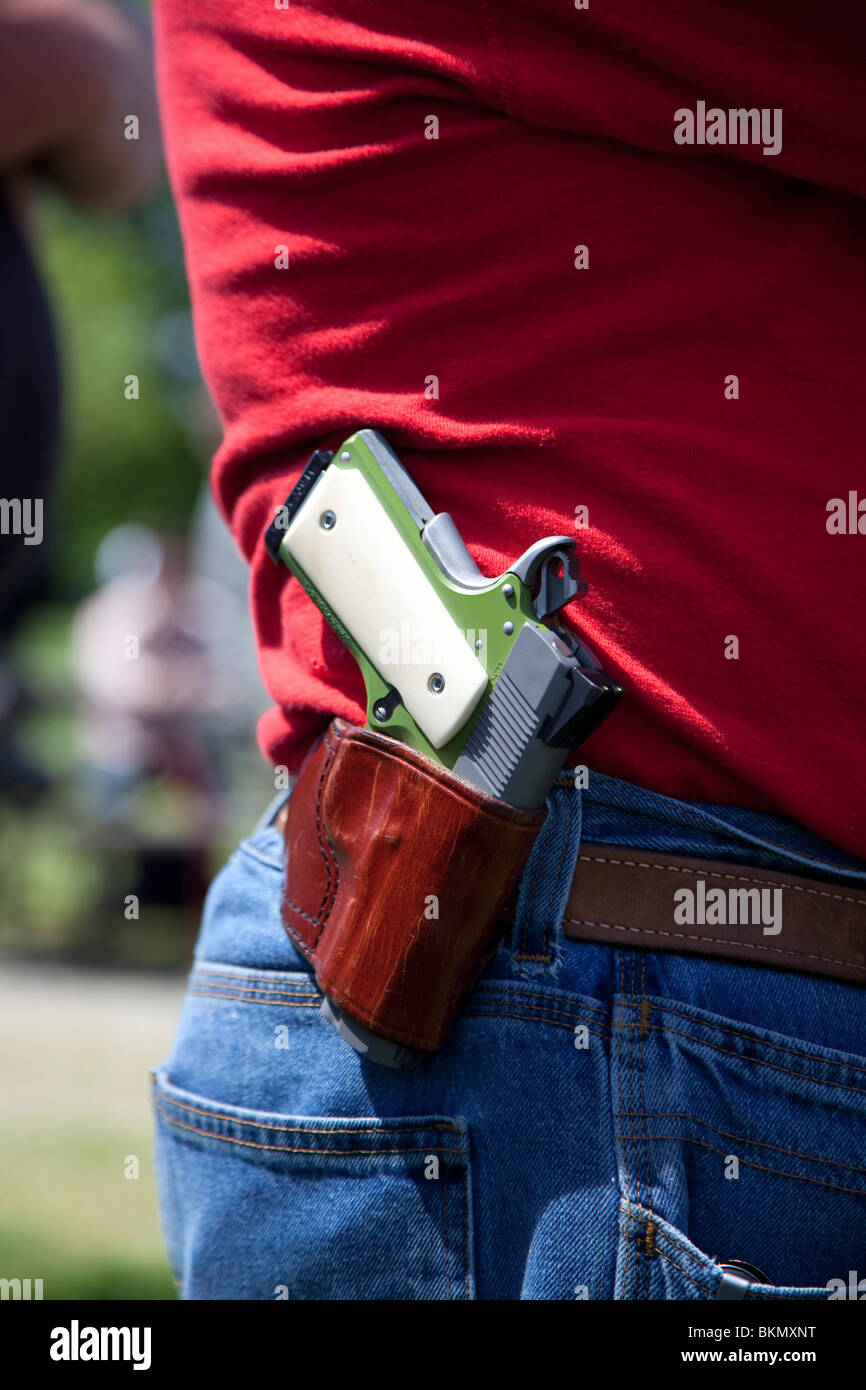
(480, 674)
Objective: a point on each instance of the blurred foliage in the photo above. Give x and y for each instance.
(42, 655)
(121, 308)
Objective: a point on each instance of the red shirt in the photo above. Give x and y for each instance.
(306, 133)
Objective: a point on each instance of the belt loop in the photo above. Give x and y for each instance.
(536, 946)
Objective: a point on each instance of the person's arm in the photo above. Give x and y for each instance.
(71, 71)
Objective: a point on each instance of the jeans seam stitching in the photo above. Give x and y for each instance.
(302, 992)
(572, 1015)
(304, 1129)
(289, 1149)
(755, 1042)
(445, 1239)
(468, 1271)
(762, 1167)
(557, 876)
(623, 1071)
(311, 1003)
(704, 1288)
(756, 1061)
(206, 973)
(641, 1036)
(740, 1138)
(533, 1018)
(542, 995)
(525, 926)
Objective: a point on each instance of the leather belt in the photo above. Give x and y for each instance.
(704, 907)
(668, 902)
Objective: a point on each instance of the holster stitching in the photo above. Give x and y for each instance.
(333, 877)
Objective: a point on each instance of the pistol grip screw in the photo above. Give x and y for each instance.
(328, 521)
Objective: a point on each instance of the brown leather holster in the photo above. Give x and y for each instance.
(397, 875)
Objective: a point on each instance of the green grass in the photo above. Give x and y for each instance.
(73, 1220)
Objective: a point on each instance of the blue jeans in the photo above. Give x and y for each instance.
(603, 1123)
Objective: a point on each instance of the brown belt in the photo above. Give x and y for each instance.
(635, 898)
(667, 902)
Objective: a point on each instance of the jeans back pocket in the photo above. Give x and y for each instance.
(258, 1205)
